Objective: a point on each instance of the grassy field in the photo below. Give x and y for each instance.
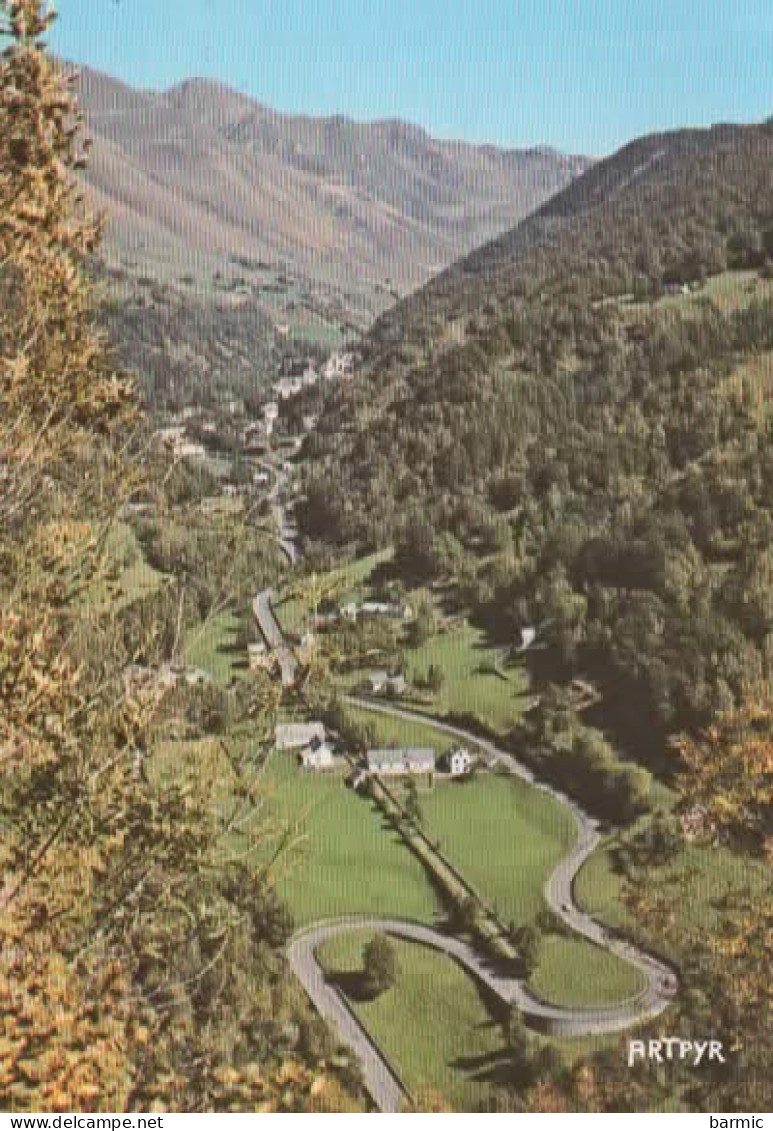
(133, 577)
(504, 837)
(469, 685)
(573, 971)
(344, 859)
(340, 584)
(211, 646)
(399, 732)
(433, 1025)
(598, 889)
(729, 291)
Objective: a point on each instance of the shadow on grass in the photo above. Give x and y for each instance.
(486, 1068)
(351, 984)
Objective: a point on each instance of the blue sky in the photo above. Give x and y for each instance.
(584, 76)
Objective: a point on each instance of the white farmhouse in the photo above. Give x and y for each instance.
(409, 760)
(382, 683)
(298, 736)
(459, 761)
(318, 755)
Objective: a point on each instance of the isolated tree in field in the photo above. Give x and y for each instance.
(379, 965)
(435, 678)
(467, 913)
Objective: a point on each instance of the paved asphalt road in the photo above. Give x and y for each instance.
(262, 603)
(272, 634)
(287, 532)
(381, 1081)
(662, 982)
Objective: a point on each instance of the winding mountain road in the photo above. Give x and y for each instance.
(381, 1080)
(262, 605)
(287, 534)
(662, 982)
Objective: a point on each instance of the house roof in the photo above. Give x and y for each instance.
(380, 607)
(397, 680)
(290, 735)
(402, 756)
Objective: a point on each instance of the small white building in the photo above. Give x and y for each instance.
(318, 755)
(382, 683)
(392, 610)
(459, 761)
(257, 655)
(189, 449)
(528, 636)
(298, 736)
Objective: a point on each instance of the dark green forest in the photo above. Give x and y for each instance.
(559, 430)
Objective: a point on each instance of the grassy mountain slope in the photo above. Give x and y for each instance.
(199, 174)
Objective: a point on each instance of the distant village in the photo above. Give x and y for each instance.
(234, 432)
(194, 432)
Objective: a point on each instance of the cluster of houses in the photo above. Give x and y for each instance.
(401, 761)
(175, 439)
(314, 750)
(339, 366)
(139, 677)
(354, 611)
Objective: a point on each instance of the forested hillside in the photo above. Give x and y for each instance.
(188, 349)
(569, 431)
(572, 426)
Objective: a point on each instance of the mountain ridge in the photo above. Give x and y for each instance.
(642, 194)
(200, 173)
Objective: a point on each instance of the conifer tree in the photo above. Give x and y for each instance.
(138, 964)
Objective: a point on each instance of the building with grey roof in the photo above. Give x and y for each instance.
(401, 760)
